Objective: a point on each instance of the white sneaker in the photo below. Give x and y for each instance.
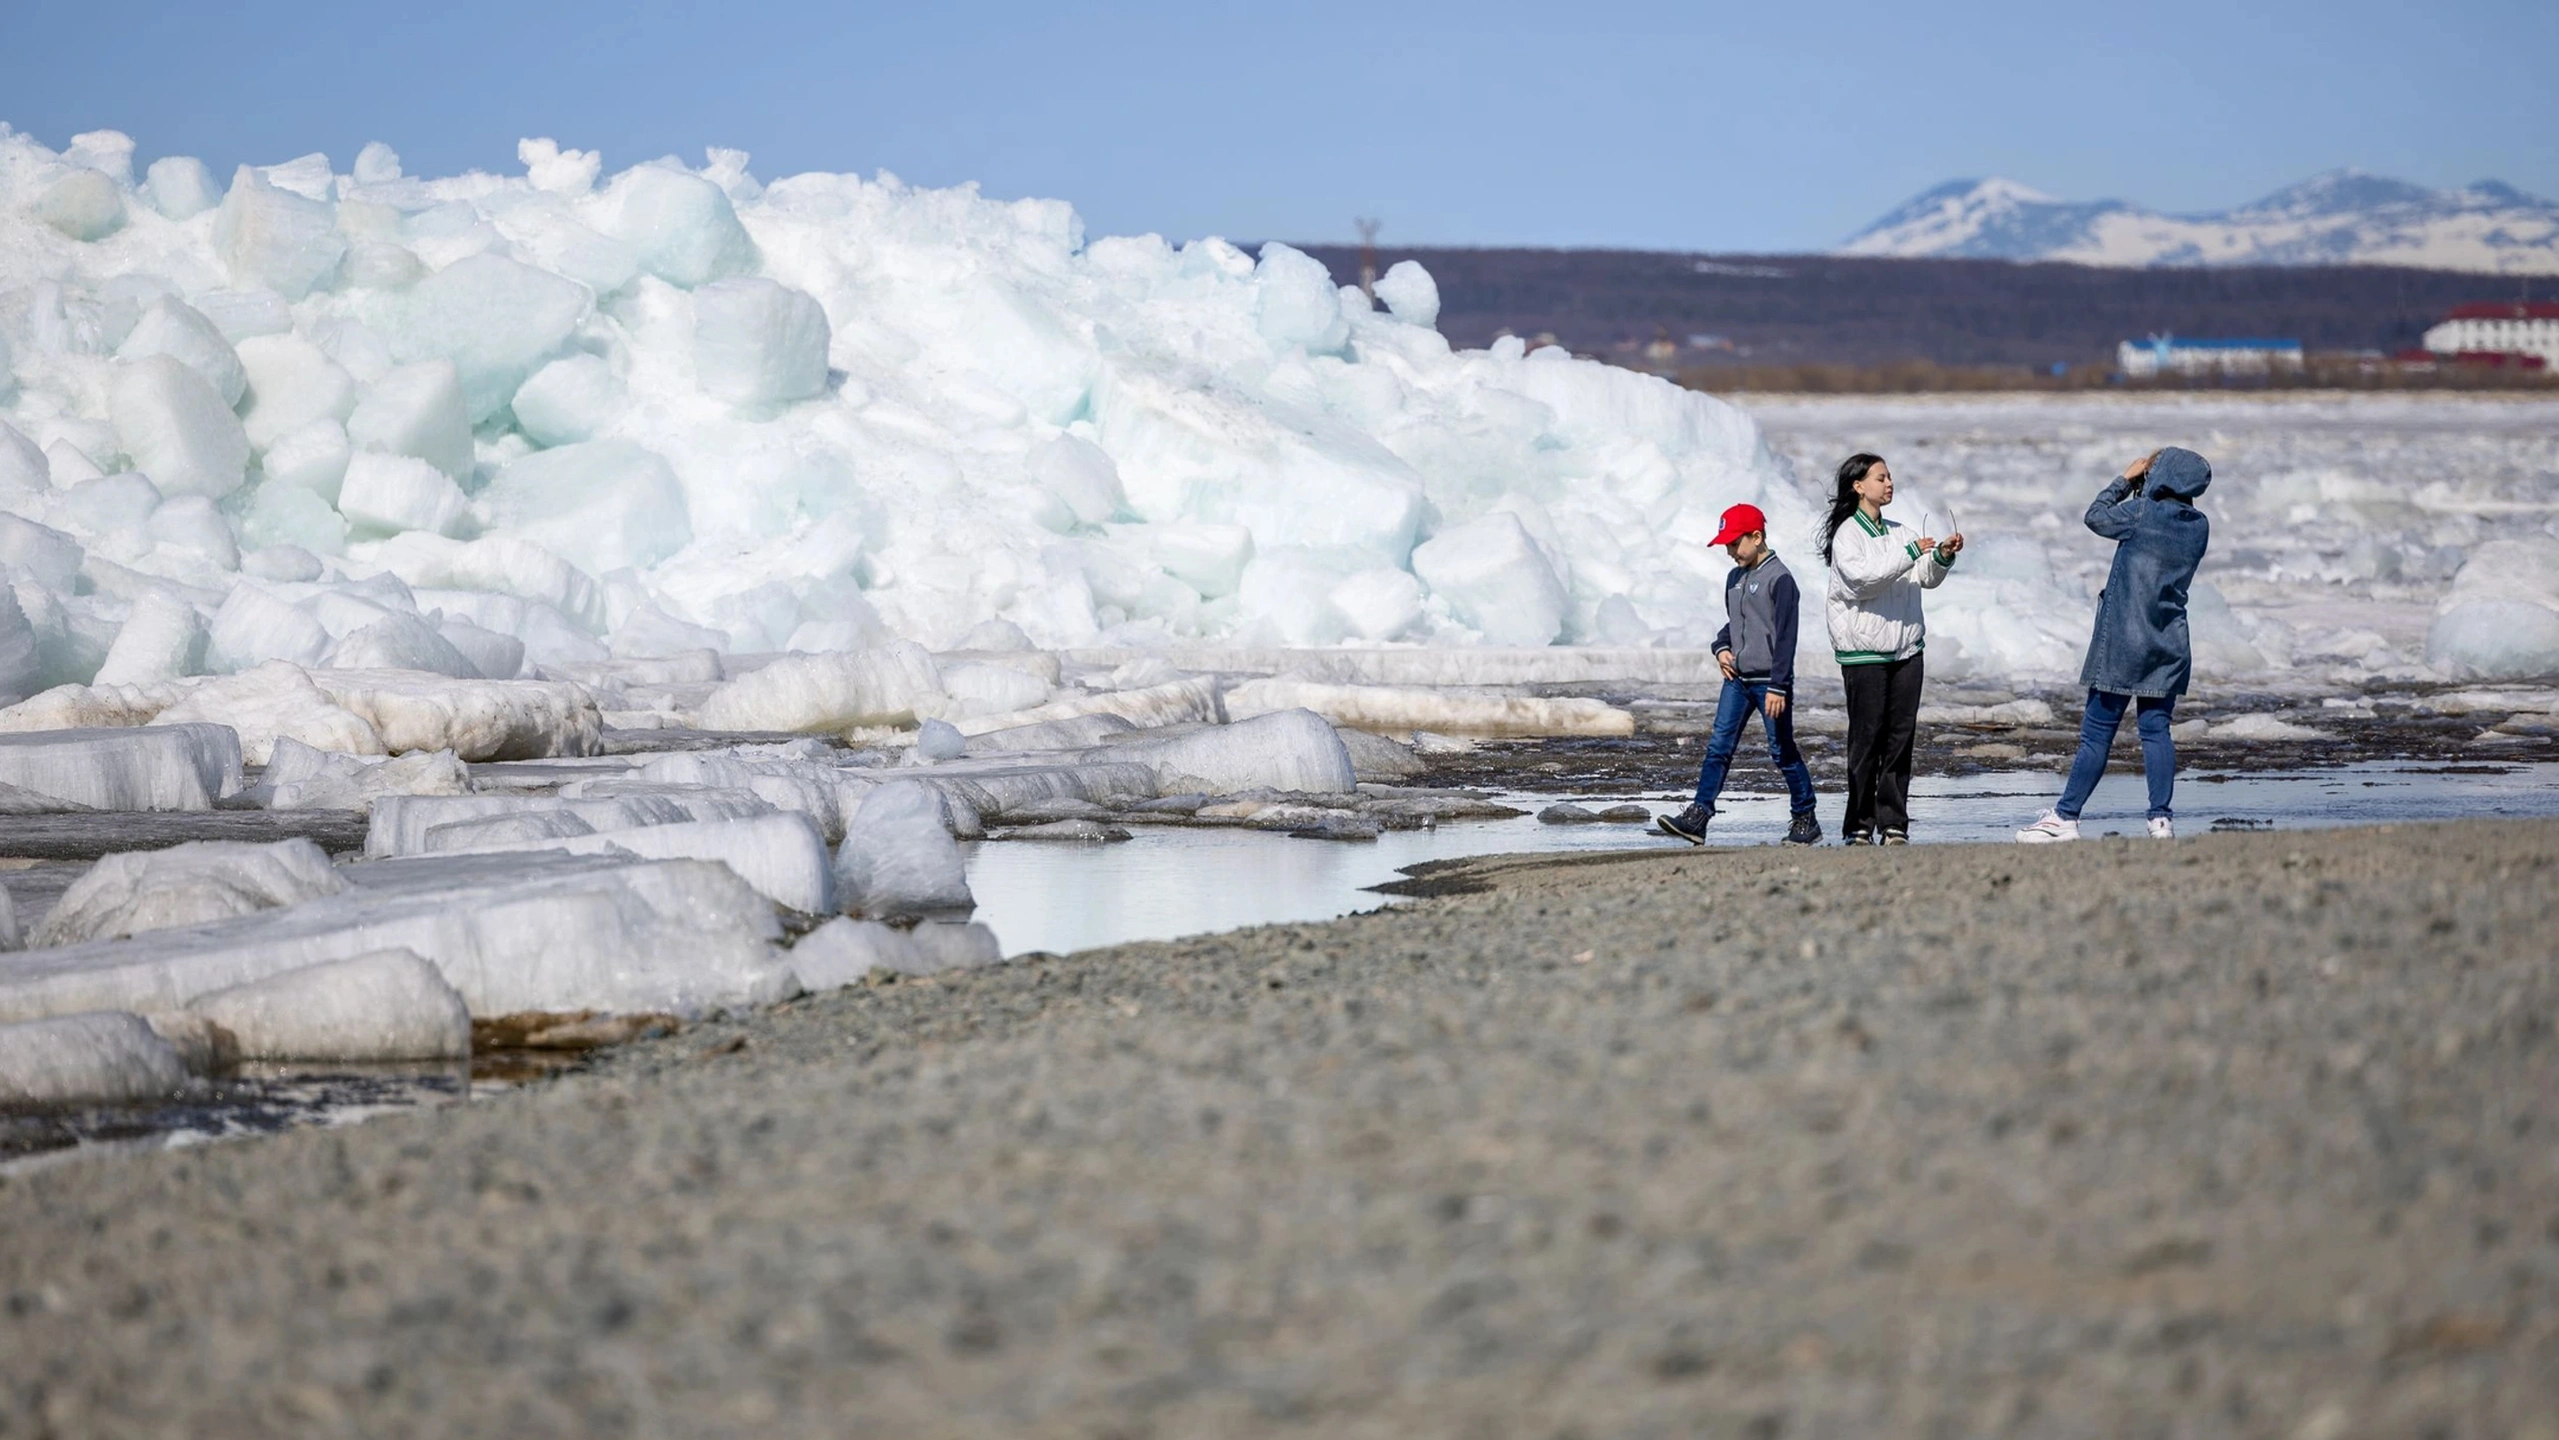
(2161, 829)
(2050, 830)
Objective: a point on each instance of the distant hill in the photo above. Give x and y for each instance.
(2344, 217)
(1828, 309)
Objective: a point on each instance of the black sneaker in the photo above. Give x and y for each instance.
(1895, 837)
(1856, 837)
(1804, 829)
(1688, 824)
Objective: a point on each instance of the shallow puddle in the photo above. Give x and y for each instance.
(1168, 883)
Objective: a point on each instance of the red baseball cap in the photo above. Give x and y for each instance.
(1738, 522)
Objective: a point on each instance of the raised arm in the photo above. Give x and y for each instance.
(2108, 514)
(1868, 563)
(2111, 513)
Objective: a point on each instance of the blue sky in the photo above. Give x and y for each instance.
(1687, 126)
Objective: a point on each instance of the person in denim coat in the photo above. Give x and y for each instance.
(2139, 656)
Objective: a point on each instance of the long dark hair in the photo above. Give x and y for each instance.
(1843, 501)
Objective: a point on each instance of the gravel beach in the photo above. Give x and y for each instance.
(2238, 1135)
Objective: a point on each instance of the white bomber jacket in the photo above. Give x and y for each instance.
(1876, 574)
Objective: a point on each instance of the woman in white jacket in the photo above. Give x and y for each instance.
(1877, 569)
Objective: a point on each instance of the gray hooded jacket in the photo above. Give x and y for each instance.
(2140, 646)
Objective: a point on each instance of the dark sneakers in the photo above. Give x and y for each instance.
(1895, 837)
(1856, 837)
(1688, 824)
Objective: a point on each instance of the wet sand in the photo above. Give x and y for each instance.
(2238, 1135)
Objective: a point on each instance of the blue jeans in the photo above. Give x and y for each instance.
(1741, 700)
(2097, 735)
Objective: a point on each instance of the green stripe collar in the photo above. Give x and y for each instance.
(1871, 527)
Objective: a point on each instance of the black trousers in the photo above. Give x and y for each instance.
(1883, 727)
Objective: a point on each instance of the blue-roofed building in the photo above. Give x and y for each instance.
(2181, 355)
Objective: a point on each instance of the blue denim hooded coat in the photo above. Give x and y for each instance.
(2140, 646)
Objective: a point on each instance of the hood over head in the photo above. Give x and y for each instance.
(2182, 473)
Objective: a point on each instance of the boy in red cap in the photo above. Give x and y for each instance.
(1756, 649)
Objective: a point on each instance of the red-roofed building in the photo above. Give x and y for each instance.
(2499, 327)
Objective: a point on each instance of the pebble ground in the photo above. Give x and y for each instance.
(2250, 1135)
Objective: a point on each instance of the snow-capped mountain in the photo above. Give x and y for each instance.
(2344, 217)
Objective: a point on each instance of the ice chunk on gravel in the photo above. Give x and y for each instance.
(512, 933)
(898, 858)
(384, 1006)
(98, 1057)
(177, 428)
(844, 950)
(831, 692)
(172, 767)
(1374, 758)
(189, 884)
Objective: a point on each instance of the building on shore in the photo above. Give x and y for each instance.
(2524, 329)
(2180, 355)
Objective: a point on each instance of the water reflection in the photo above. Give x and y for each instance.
(1168, 883)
